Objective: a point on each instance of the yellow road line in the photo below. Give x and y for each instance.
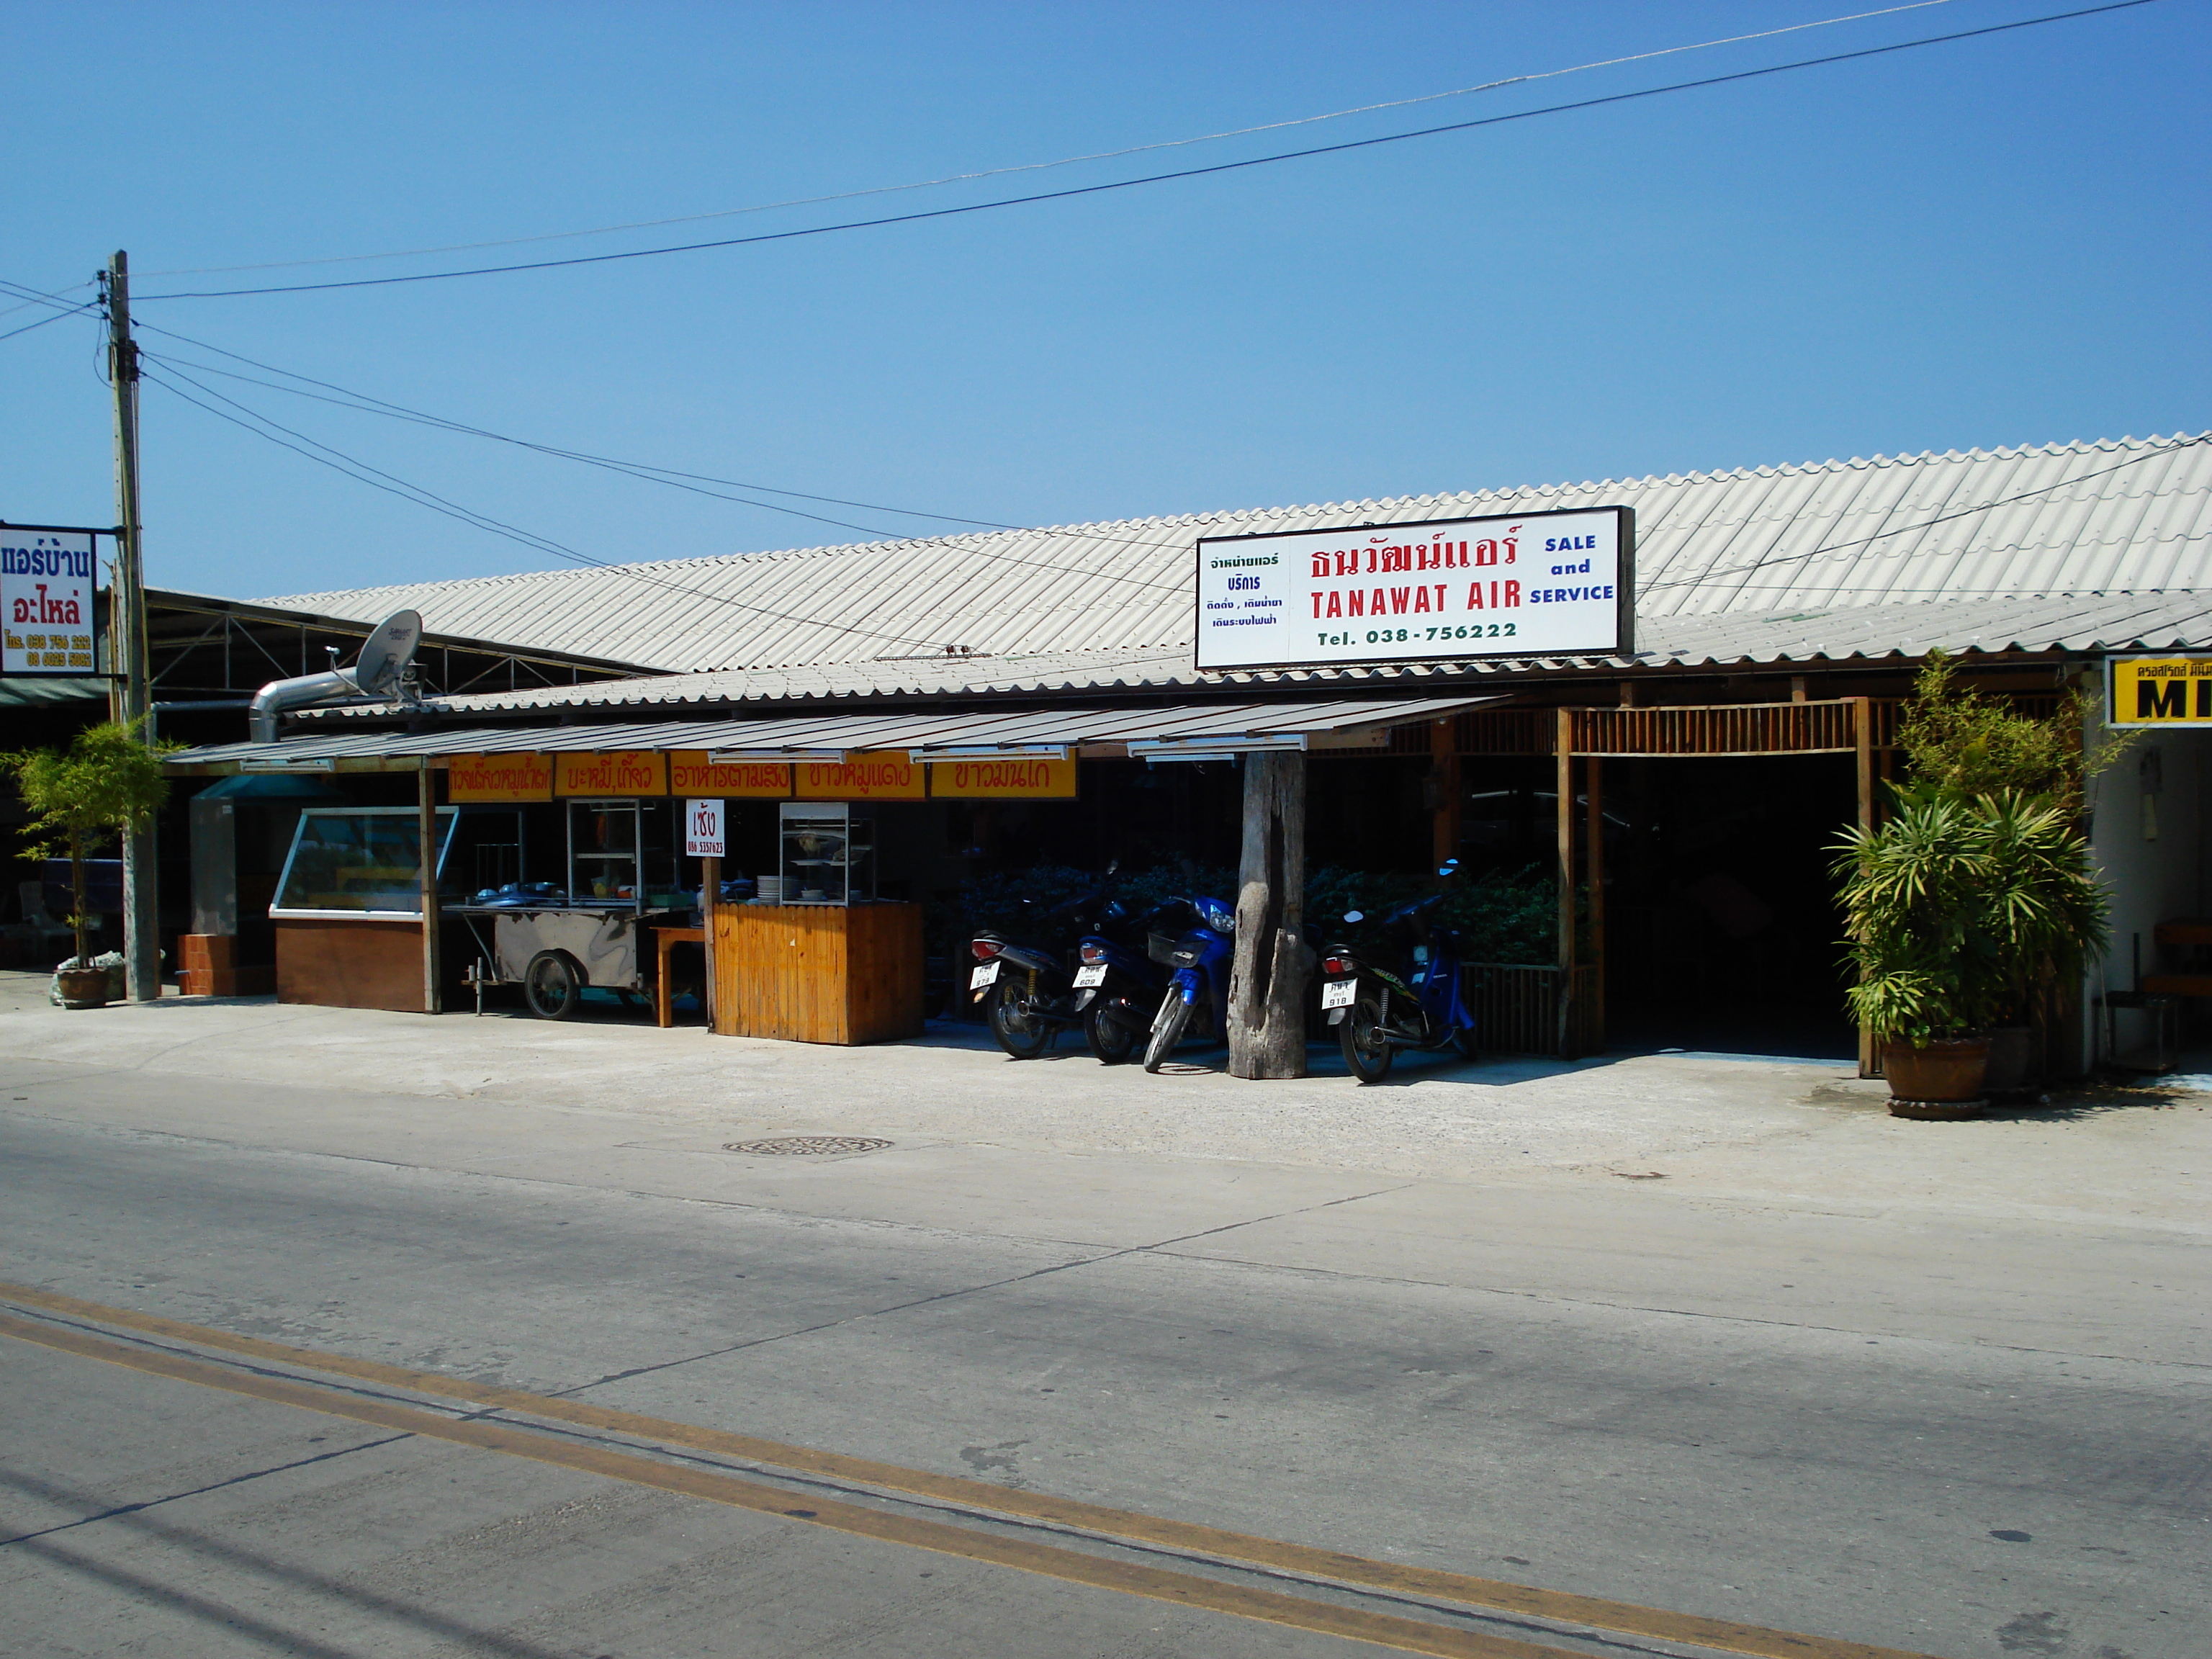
(1274, 1553)
(1182, 1588)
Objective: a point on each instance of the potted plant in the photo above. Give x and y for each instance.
(1961, 908)
(105, 781)
(2037, 768)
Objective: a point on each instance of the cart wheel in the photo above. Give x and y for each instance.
(553, 985)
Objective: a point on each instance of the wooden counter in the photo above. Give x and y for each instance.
(347, 962)
(818, 973)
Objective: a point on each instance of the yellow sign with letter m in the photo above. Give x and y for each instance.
(2160, 691)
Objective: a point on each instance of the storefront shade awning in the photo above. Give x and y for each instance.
(1162, 731)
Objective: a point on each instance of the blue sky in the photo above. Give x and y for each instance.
(1997, 241)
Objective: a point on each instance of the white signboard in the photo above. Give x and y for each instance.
(46, 580)
(702, 829)
(1534, 585)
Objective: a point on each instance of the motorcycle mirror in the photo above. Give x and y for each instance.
(1113, 865)
(1355, 915)
(1450, 867)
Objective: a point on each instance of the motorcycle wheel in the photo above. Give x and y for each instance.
(1366, 1051)
(1011, 1029)
(1167, 1031)
(1111, 1040)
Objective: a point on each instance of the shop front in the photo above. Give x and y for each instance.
(562, 872)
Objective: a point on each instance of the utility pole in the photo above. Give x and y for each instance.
(130, 698)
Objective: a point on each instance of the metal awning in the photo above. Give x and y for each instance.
(1174, 732)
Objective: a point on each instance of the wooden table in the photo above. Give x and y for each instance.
(662, 939)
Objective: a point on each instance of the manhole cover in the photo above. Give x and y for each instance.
(806, 1146)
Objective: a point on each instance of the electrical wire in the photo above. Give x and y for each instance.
(1156, 178)
(692, 483)
(50, 317)
(1040, 166)
(362, 472)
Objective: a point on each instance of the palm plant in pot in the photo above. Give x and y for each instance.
(1973, 745)
(1961, 910)
(1928, 972)
(108, 780)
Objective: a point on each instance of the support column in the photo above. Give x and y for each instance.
(710, 896)
(1266, 987)
(1444, 773)
(1594, 862)
(1863, 743)
(1563, 752)
(426, 830)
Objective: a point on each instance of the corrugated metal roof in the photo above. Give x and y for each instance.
(917, 731)
(2130, 514)
(2093, 621)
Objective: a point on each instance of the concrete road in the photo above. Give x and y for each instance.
(1953, 1426)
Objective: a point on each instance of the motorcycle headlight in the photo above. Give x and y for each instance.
(1221, 921)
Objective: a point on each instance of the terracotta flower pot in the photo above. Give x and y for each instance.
(1944, 1075)
(84, 987)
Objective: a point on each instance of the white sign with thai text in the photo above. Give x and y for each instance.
(702, 829)
(1533, 585)
(46, 580)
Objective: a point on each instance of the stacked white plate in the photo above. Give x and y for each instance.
(769, 889)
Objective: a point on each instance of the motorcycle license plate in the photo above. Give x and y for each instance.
(1339, 993)
(1094, 974)
(986, 975)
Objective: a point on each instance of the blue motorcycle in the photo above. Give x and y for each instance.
(1197, 1001)
(1117, 987)
(1377, 1011)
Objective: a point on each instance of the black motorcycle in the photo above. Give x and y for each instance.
(1418, 1001)
(1025, 985)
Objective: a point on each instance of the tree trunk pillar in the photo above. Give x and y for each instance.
(1267, 986)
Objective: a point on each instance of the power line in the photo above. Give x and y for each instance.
(670, 476)
(1070, 161)
(360, 471)
(50, 317)
(1157, 178)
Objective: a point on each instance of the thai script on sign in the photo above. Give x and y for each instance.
(1535, 584)
(624, 772)
(498, 778)
(47, 603)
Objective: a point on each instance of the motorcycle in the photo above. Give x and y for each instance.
(1201, 960)
(1118, 987)
(1025, 988)
(1378, 1012)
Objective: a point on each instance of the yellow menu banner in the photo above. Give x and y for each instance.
(500, 778)
(2148, 692)
(621, 772)
(691, 773)
(875, 775)
(1003, 779)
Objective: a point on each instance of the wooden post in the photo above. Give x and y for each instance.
(1594, 862)
(1443, 762)
(1266, 987)
(426, 829)
(710, 895)
(1863, 736)
(1563, 751)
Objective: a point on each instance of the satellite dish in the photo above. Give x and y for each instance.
(389, 650)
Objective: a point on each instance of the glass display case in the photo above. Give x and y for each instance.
(623, 853)
(827, 853)
(359, 862)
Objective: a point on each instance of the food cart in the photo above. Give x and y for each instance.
(554, 942)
